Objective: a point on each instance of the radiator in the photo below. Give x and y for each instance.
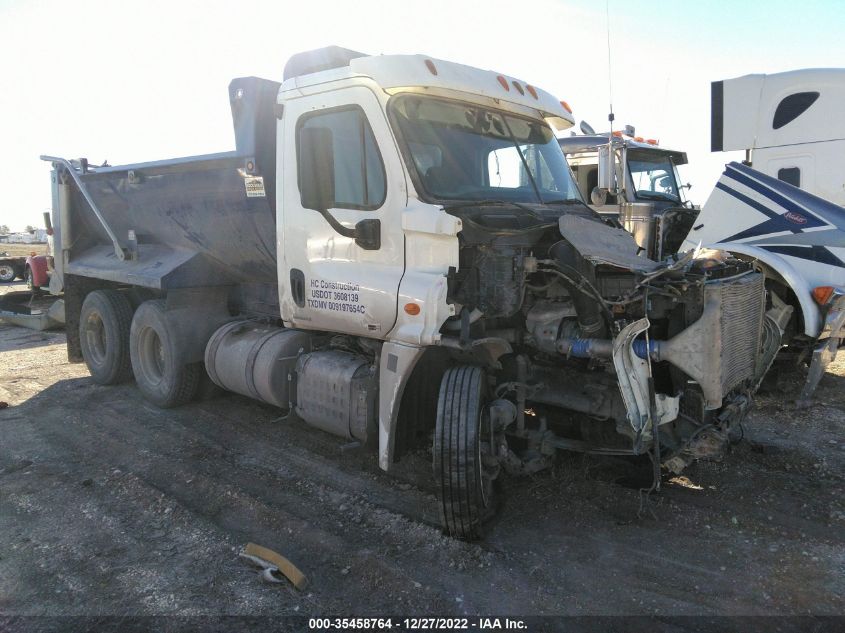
(743, 306)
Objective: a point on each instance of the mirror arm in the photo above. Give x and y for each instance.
(367, 232)
(337, 226)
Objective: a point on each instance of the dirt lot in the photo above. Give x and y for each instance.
(111, 506)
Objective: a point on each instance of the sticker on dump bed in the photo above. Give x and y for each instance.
(254, 187)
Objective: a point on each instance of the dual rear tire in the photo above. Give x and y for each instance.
(117, 344)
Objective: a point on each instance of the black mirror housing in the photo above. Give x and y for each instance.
(368, 234)
(316, 160)
(316, 186)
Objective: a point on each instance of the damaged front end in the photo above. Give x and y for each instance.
(597, 348)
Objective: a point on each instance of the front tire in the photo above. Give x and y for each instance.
(462, 457)
(104, 336)
(159, 374)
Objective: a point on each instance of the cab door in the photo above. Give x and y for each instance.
(328, 281)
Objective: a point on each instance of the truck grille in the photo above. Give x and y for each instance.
(743, 303)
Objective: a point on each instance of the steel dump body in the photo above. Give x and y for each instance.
(193, 220)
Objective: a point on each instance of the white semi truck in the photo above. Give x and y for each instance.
(783, 204)
(397, 253)
(788, 124)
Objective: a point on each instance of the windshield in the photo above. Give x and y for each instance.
(653, 174)
(467, 152)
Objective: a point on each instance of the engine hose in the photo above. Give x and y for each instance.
(603, 348)
(588, 303)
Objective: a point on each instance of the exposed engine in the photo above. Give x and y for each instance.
(598, 330)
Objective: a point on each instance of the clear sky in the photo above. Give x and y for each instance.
(132, 81)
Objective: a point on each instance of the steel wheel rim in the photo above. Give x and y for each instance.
(7, 273)
(95, 336)
(151, 355)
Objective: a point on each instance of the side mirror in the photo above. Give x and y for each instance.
(598, 196)
(316, 168)
(316, 186)
(48, 223)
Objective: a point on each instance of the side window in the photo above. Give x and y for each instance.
(790, 175)
(793, 106)
(359, 178)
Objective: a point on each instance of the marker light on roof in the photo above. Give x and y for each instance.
(652, 141)
(638, 139)
(503, 82)
(518, 88)
(431, 67)
(617, 134)
(531, 91)
(566, 107)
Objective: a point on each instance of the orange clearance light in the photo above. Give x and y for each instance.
(531, 91)
(412, 308)
(638, 139)
(822, 294)
(566, 107)
(431, 67)
(651, 141)
(503, 82)
(618, 134)
(518, 88)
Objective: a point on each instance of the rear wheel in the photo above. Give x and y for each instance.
(7, 273)
(104, 336)
(160, 376)
(464, 464)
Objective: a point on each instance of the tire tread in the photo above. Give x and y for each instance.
(455, 451)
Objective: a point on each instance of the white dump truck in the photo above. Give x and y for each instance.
(397, 253)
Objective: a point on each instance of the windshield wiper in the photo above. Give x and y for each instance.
(482, 203)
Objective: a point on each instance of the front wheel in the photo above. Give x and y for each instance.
(464, 465)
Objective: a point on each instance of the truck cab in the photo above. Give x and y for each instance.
(633, 181)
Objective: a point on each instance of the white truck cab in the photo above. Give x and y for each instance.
(789, 124)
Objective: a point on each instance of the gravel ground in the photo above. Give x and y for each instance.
(109, 506)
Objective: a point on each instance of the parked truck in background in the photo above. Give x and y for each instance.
(397, 253)
(788, 124)
(797, 239)
(634, 181)
(783, 205)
